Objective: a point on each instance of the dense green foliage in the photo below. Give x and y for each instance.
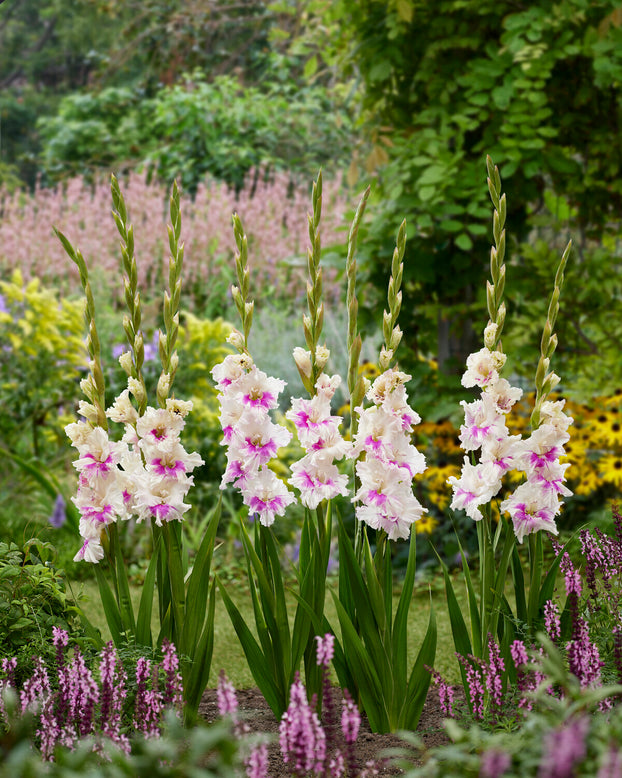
(41, 361)
(33, 600)
(538, 87)
(201, 752)
(195, 128)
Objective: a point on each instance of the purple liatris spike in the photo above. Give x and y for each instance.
(475, 683)
(563, 749)
(83, 695)
(350, 718)
(325, 649)
(552, 622)
(257, 762)
(572, 577)
(445, 692)
(173, 689)
(49, 733)
(113, 693)
(148, 701)
(8, 666)
(35, 689)
(301, 737)
(493, 672)
(494, 763)
(59, 515)
(583, 656)
(226, 697)
(611, 766)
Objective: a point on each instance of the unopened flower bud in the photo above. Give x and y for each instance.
(236, 339)
(490, 335)
(386, 355)
(550, 382)
(173, 363)
(321, 356)
(137, 389)
(122, 409)
(88, 388)
(396, 337)
(302, 359)
(89, 412)
(125, 360)
(164, 385)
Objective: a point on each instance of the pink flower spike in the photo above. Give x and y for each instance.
(325, 649)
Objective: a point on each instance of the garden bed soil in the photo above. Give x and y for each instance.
(256, 714)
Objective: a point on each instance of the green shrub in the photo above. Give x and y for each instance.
(196, 128)
(42, 358)
(33, 600)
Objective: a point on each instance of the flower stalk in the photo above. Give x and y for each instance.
(132, 319)
(166, 343)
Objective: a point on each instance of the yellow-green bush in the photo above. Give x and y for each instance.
(42, 359)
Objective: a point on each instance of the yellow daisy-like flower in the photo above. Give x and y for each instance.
(436, 476)
(426, 525)
(614, 400)
(575, 451)
(610, 468)
(607, 427)
(588, 481)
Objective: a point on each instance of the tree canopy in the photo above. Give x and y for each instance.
(538, 86)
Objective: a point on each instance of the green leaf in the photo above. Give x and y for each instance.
(176, 568)
(310, 67)
(111, 608)
(434, 174)
(364, 671)
(198, 675)
(126, 609)
(198, 584)
(419, 681)
(451, 225)
(518, 580)
(145, 607)
(256, 659)
(399, 636)
(464, 242)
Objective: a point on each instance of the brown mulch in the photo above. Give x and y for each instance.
(256, 714)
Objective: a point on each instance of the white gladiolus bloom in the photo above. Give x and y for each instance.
(481, 422)
(483, 368)
(246, 396)
(143, 475)
(156, 424)
(503, 395)
(477, 485)
(552, 412)
(531, 509)
(317, 480)
(534, 504)
(122, 410)
(90, 551)
(315, 475)
(161, 499)
(233, 367)
(266, 496)
(385, 494)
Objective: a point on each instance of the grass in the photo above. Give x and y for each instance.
(228, 653)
